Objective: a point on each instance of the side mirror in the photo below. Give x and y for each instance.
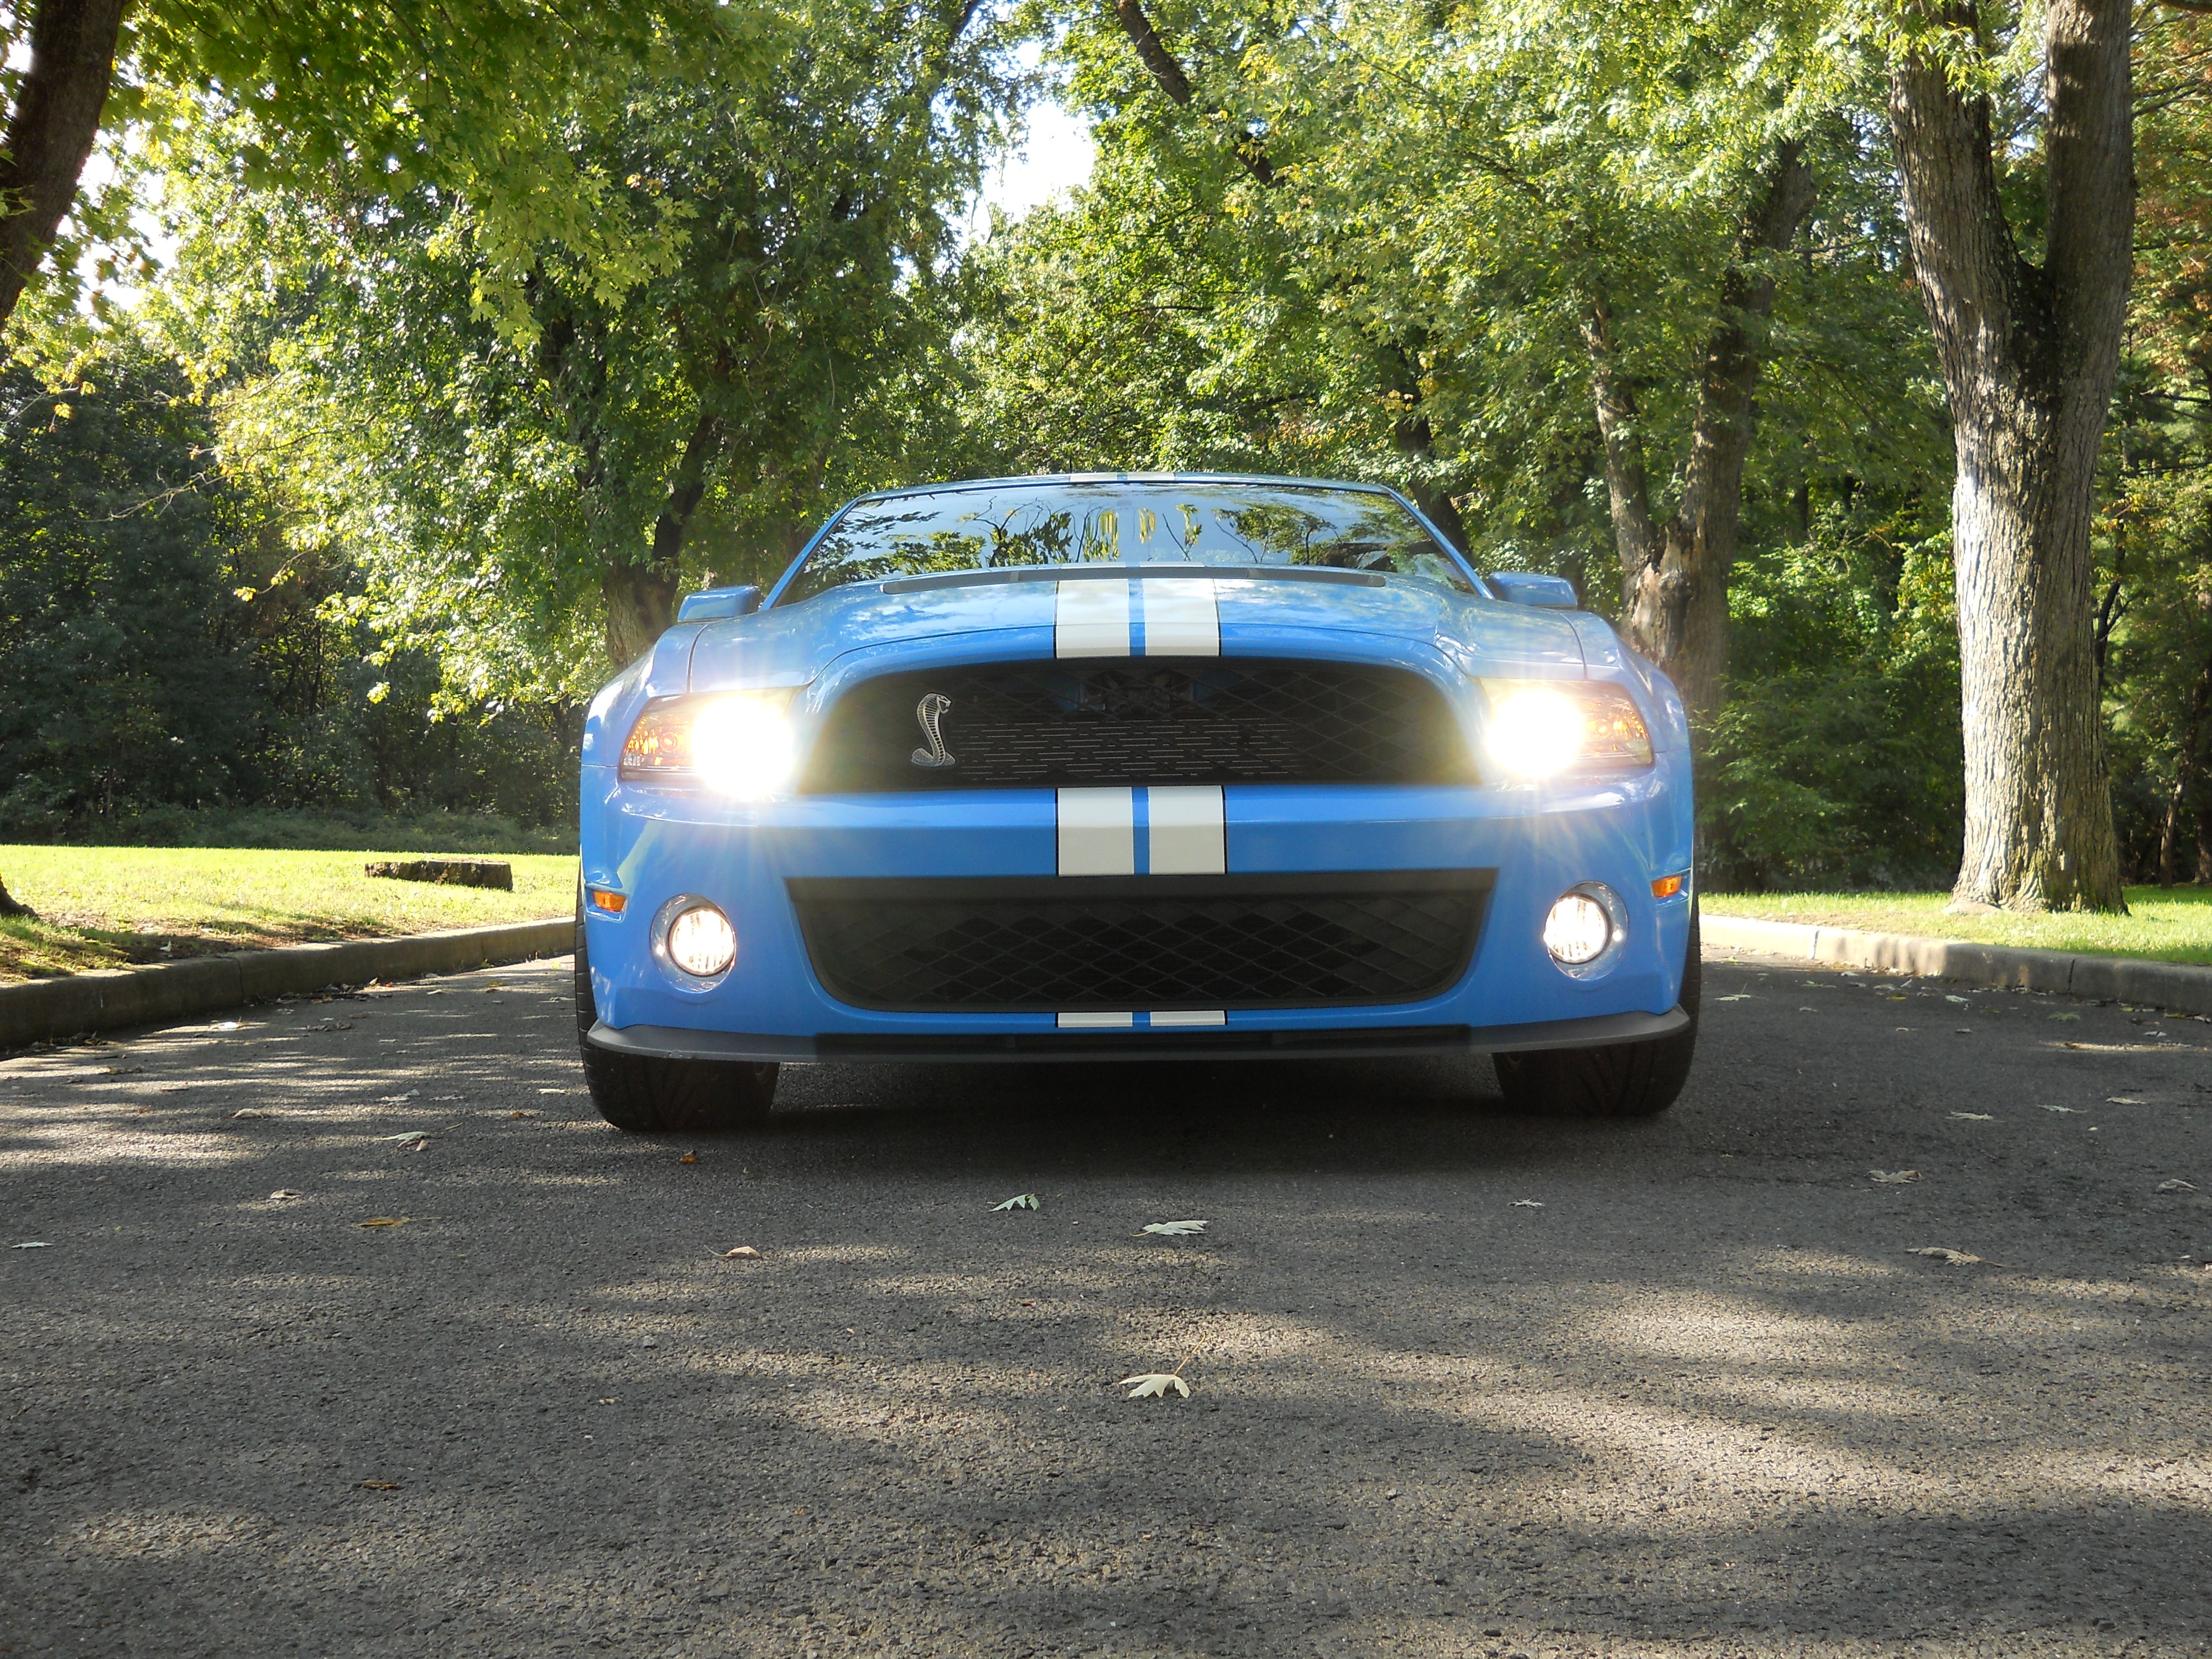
(1527, 588)
(715, 604)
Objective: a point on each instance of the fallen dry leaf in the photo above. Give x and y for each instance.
(2062, 1108)
(1741, 996)
(2176, 1187)
(1528, 1203)
(1174, 1229)
(383, 1221)
(522, 1114)
(32, 1244)
(689, 1158)
(1956, 1258)
(742, 1250)
(2123, 1100)
(1018, 1201)
(248, 1111)
(287, 1192)
(420, 1143)
(1155, 1384)
(1975, 1117)
(381, 1486)
(1894, 1177)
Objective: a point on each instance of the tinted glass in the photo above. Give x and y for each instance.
(935, 531)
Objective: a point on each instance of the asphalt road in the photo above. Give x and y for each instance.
(1461, 1383)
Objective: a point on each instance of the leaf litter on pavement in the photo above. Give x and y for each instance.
(1956, 1258)
(1894, 1177)
(1018, 1201)
(1174, 1229)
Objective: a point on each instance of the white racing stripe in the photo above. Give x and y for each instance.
(1188, 1017)
(1096, 1022)
(1186, 824)
(1098, 832)
(1181, 618)
(1091, 619)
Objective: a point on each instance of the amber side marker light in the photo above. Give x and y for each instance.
(1668, 886)
(610, 903)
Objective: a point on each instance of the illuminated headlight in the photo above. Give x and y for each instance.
(1540, 728)
(1585, 928)
(737, 743)
(699, 940)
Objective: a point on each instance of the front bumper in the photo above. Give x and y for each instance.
(651, 845)
(1356, 1043)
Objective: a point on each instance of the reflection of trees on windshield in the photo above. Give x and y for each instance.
(950, 531)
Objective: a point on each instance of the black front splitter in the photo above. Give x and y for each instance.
(1353, 1042)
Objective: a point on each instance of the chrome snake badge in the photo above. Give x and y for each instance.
(930, 710)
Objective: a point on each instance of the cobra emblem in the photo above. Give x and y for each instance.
(926, 714)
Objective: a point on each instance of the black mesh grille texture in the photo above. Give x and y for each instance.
(1141, 942)
(1140, 720)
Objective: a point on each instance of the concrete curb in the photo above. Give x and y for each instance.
(2174, 986)
(55, 1010)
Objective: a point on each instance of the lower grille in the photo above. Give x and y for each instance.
(1069, 944)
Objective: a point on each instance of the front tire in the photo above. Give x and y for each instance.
(1626, 1079)
(646, 1096)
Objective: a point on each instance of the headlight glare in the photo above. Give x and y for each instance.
(1540, 728)
(737, 743)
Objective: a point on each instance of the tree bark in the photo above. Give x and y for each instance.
(2029, 357)
(1674, 574)
(641, 598)
(51, 130)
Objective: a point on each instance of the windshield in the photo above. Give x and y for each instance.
(1024, 523)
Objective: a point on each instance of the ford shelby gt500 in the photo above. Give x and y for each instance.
(1119, 768)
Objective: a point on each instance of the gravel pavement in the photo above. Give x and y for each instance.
(1460, 1382)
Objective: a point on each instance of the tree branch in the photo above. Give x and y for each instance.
(51, 130)
(1152, 53)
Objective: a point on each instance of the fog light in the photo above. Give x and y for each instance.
(701, 942)
(1578, 930)
(1586, 929)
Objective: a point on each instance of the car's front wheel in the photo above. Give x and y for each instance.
(1627, 1080)
(649, 1095)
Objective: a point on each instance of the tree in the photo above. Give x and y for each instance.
(2029, 350)
(469, 97)
(525, 453)
(1491, 253)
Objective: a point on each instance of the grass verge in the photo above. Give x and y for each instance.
(2167, 924)
(110, 907)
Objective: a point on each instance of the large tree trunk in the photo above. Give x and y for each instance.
(641, 598)
(2029, 357)
(51, 130)
(1674, 574)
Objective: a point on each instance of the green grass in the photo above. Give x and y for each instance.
(108, 907)
(2171, 924)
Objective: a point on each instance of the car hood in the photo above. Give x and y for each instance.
(791, 644)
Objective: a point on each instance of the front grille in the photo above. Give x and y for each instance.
(1140, 721)
(1067, 944)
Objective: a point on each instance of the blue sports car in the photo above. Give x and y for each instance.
(1118, 767)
